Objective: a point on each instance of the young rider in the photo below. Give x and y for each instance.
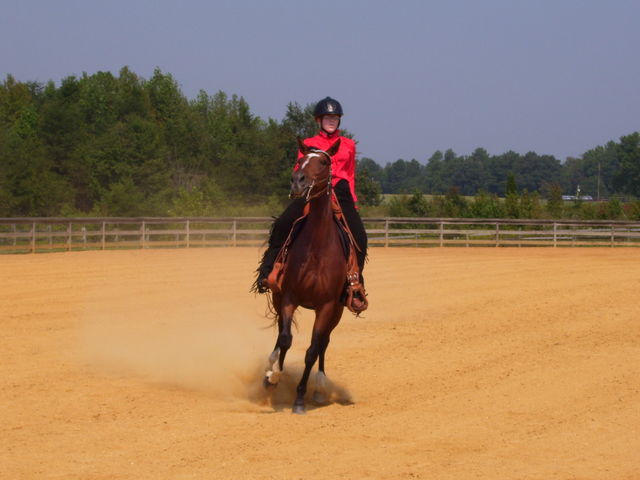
(327, 113)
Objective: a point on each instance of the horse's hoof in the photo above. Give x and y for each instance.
(271, 378)
(320, 398)
(267, 384)
(298, 409)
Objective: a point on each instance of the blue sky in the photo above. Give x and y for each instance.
(555, 77)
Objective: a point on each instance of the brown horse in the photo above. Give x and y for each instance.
(314, 273)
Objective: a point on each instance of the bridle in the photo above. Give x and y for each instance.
(325, 186)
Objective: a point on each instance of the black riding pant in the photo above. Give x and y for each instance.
(282, 225)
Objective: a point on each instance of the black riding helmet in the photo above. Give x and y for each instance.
(327, 106)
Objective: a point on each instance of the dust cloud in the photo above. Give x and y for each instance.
(196, 346)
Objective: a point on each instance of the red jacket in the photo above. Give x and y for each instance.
(343, 164)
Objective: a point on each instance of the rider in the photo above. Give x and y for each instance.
(327, 113)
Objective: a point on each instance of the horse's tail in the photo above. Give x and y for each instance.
(266, 262)
(271, 313)
(274, 316)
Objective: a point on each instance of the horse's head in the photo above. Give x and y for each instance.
(312, 175)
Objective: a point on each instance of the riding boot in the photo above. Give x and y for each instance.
(358, 301)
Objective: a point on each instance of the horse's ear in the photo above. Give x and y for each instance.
(334, 148)
(303, 148)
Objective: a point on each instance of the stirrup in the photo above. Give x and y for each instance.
(356, 298)
(358, 305)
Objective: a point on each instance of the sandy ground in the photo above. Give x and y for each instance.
(470, 363)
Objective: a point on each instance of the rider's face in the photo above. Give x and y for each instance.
(329, 123)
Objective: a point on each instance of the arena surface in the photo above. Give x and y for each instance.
(470, 363)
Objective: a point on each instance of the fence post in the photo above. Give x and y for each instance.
(188, 228)
(104, 235)
(33, 237)
(497, 234)
(69, 237)
(555, 234)
(15, 237)
(234, 236)
(613, 236)
(386, 232)
(142, 232)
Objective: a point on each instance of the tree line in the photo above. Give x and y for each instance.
(108, 145)
(602, 172)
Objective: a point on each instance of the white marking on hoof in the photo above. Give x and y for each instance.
(320, 393)
(274, 357)
(298, 409)
(319, 398)
(273, 376)
(321, 382)
(272, 371)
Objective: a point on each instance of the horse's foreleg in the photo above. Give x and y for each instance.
(275, 364)
(320, 391)
(309, 360)
(326, 320)
(272, 371)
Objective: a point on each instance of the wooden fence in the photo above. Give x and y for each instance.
(54, 234)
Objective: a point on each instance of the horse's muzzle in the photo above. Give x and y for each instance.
(300, 185)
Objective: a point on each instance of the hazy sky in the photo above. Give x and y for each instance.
(554, 76)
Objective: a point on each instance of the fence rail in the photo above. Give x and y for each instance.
(47, 234)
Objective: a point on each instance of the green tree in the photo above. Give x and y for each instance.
(511, 203)
(418, 205)
(554, 200)
(402, 176)
(368, 190)
(30, 182)
(628, 177)
(529, 205)
(433, 181)
(454, 204)
(486, 205)
(374, 171)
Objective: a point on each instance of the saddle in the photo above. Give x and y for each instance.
(354, 297)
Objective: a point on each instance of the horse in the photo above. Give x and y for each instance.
(313, 276)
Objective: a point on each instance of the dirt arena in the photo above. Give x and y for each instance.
(470, 363)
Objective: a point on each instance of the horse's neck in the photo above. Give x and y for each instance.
(321, 217)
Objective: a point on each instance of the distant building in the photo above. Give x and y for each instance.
(587, 198)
